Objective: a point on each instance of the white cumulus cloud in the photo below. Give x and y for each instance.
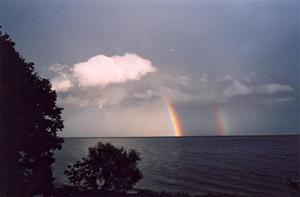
(100, 71)
(103, 70)
(61, 84)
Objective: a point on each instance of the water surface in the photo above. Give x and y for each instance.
(257, 165)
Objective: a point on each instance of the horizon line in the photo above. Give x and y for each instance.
(186, 136)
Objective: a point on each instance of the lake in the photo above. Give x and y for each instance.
(258, 165)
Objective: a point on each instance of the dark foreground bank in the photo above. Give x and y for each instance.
(68, 191)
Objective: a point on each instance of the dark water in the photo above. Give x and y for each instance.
(240, 165)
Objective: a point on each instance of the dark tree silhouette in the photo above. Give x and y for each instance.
(106, 167)
(29, 122)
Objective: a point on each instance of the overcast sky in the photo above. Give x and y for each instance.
(115, 64)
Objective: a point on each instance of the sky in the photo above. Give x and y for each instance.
(165, 68)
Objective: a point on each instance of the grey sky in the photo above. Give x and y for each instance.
(242, 55)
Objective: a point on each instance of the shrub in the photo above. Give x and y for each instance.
(106, 167)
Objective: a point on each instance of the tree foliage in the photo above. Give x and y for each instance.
(29, 122)
(106, 167)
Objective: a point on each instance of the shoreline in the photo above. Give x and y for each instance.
(71, 191)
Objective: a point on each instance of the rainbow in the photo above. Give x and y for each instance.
(174, 118)
(221, 122)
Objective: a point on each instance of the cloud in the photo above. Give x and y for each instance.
(144, 95)
(111, 97)
(61, 84)
(269, 101)
(249, 77)
(203, 78)
(227, 78)
(273, 89)
(59, 68)
(103, 70)
(103, 97)
(181, 89)
(285, 99)
(100, 71)
(184, 80)
(75, 101)
(235, 87)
